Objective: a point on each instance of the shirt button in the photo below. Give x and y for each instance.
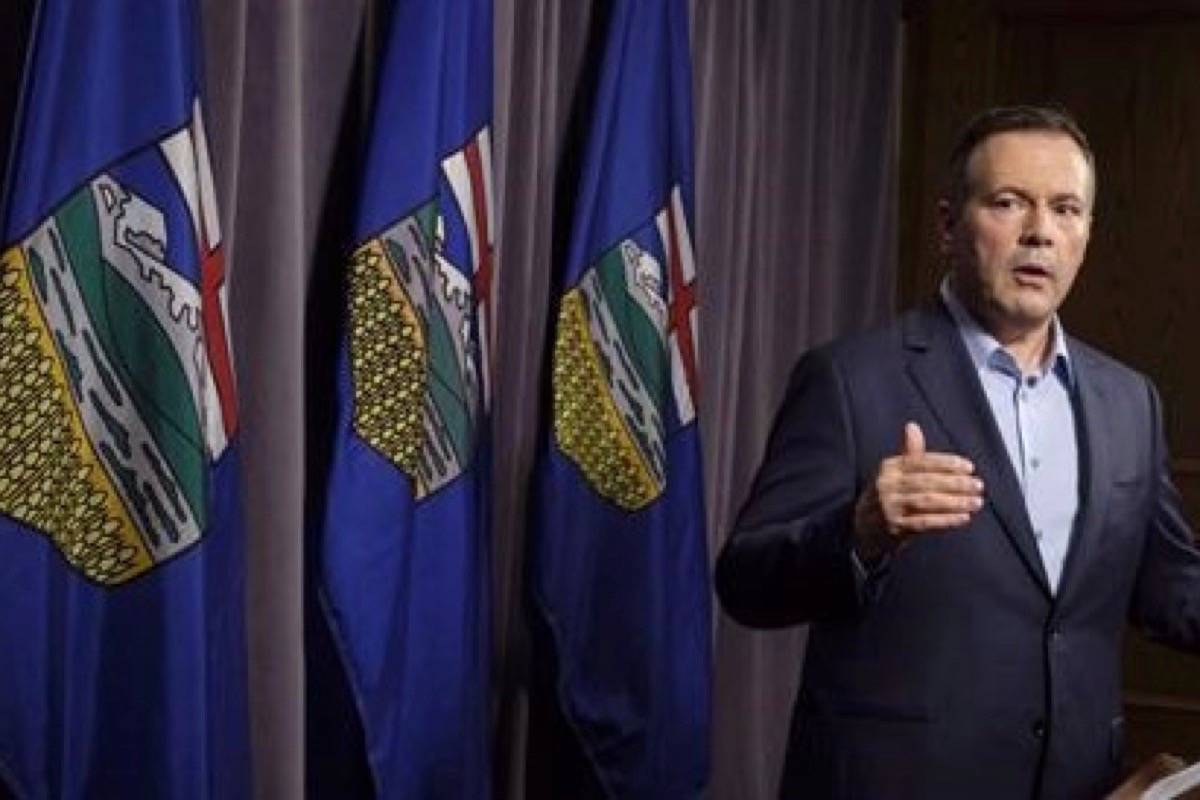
(1035, 462)
(1039, 729)
(1031, 381)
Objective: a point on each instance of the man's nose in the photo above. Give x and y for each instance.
(1038, 229)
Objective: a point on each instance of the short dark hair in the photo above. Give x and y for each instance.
(1004, 119)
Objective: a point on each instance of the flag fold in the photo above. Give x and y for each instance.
(405, 572)
(122, 640)
(619, 572)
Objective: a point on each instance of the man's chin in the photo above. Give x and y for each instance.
(1033, 302)
(1028, 317)
(1022, 313)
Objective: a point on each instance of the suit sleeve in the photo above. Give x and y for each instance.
(1166, 603)
(787, 560)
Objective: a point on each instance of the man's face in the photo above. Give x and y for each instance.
(1017, 242)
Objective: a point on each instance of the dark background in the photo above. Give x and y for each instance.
(15, 19)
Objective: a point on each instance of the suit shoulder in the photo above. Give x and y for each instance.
(1128, 388)
(1102, 363)
(865, 346)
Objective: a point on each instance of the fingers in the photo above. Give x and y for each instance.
(939, 482)
(935, 462)
(915, 457)
(914, 440)
(923, 492)
(905, 507)
(921, 512)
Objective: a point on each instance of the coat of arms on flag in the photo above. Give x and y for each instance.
(623, 343)
(116, 390)
(418, 361)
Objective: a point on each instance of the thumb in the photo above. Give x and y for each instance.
(914, 439)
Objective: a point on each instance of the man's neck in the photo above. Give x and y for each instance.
(1030, 348)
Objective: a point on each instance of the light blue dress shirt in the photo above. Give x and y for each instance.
(1036, 419)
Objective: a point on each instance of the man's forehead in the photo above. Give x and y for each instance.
(1045, 157)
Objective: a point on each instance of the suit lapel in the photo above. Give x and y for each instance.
(1095, 456)
(942, 370)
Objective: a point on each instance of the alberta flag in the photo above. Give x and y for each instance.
(122, 642)
(404, 546)
(620, 559)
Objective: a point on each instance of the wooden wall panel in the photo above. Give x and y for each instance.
(1157, 724)
(1129, 73)
(948, 76)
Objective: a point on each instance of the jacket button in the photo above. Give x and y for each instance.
(1039, 728)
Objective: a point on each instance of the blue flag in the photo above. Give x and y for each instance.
(405, 566)
(122, 640)
(620, 567)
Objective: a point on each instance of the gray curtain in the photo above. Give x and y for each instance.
(796, 120)
(278, 76)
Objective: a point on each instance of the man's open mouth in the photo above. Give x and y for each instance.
(1033, 272)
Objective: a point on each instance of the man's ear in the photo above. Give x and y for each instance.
(946, 221)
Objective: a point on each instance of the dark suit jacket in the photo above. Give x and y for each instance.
(955, 672)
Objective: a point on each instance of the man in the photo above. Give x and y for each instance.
(967, 506)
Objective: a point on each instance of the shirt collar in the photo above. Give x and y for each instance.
(987, 353)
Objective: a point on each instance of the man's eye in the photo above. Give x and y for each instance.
(1068, 210)
(1004, 203)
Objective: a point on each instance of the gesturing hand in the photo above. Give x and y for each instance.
(914, 493)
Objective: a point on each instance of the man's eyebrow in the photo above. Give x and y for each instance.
(1007, 189)
(1060, 196)
(1024, 194)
